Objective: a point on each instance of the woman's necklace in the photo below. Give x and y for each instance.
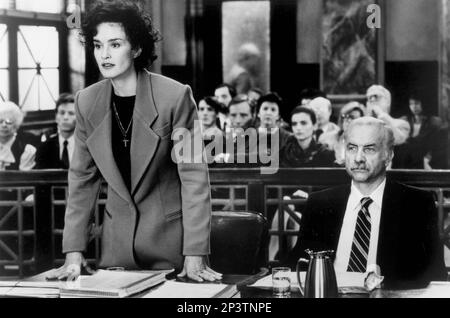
(124, 132)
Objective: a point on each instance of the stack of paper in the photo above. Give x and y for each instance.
(172, 289)
(29, 289)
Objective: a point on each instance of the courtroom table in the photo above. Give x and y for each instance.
(243, 283)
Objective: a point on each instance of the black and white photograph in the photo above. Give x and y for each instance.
(255, 151)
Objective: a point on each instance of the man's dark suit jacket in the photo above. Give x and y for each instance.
(47, 156)
(409, 253)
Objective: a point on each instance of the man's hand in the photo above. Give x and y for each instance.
(71, 268)
(196, 269)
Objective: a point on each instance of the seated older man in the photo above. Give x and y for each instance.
(379, 106)
(374, 221)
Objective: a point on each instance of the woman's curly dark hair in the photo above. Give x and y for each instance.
(137, 24)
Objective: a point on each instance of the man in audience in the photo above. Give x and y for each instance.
(322, 107)
(374, 221)
(254, 94)
(240, 116)
(56, 152)
(224, 93)
(379, 106)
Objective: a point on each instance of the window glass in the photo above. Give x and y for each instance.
(4, 4)
(4, 63)
(77, 61)
(4, 49)
(38, 92)
(246, 42)
(33, 49)
(48, 6)
(4, 85)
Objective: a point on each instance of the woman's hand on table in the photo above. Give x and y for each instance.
(195, 268)
(71, 269)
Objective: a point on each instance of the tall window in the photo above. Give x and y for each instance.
(33, 52)
(4, 56)
(38, 63)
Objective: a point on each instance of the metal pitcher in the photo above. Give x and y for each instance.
(320, 281)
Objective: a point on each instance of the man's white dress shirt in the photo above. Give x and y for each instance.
(348, 226)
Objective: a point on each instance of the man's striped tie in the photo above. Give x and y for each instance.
(361, 240)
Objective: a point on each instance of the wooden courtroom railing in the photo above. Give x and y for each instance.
(32, 208)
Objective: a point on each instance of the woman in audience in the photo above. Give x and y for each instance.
(426, 146)
(335, 140)
(17, 150)
(268, 113)
(301, 150)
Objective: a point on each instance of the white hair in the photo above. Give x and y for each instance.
(383, 90)
(319, 101)
(380, 126)
(12, 108)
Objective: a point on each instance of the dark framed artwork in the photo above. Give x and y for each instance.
(349, 48)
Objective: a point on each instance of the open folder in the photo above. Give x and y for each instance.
(115, 284)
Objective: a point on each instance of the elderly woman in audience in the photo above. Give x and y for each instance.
(17, 150)
(335, 140)
(301, 149)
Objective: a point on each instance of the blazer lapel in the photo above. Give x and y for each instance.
(339, 205)
(144, 140)
(99, 142)
(389, 222)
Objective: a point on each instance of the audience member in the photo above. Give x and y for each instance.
(301, 149)
(240, 116)
(426, 147)
(56, 152)
(224, 93)
(243, 74)
(208, 109)
(335, 140)
(268, 113)
(379, 106)
(17, 149)
(254, 94)
(322, 107)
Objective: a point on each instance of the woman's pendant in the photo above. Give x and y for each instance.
(125, 142)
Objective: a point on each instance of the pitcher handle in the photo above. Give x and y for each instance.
(301, 260)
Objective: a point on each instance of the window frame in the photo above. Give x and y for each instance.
(15, 18)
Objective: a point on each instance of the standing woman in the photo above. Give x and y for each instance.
(158, 210)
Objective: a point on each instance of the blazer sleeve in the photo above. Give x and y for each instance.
(194, 178)
(310, 236)
(84, 185)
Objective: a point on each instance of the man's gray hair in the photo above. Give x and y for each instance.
(380, 126)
